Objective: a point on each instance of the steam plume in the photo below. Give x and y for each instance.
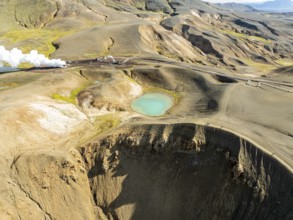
(15, 57)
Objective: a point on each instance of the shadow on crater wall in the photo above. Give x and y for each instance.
(185, 171)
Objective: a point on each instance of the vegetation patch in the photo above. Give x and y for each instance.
(4, 86)
(16, 79)
(245, 36)
(101, 124)
(106, 122)
(261, 67)
(163, 51)
(285, 62)
(71, 98)
(139, 4)
(34, 39)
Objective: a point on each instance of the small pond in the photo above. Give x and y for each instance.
(152, 104)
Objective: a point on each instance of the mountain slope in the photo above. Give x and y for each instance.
(205, 33)
(275, 6)
(237, 7)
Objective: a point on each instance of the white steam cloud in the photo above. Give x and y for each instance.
(15, 57)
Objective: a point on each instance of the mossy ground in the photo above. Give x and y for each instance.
(139, 4)
(165, 52)
(261, 67)
(71, 98)
(101, 124)
(4, 86)
(245, 36)
(266, 68)
(106, 122)
(34, 39)
(16, 79)
(285, 62)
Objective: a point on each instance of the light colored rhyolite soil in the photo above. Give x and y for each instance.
(72, 148)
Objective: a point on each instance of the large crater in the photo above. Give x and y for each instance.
(185, 171)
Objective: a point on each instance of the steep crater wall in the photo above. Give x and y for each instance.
(185, 171)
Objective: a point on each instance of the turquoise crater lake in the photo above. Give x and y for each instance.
(152, 104)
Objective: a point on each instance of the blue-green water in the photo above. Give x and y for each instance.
(152, 104)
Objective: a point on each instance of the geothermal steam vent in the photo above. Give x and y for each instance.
(15, 57)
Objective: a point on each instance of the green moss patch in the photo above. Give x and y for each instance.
(245, 36)
(34, 39)
(261, 67)
(285, 62)
(101, 124)
(69, 99)
(106, 122)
